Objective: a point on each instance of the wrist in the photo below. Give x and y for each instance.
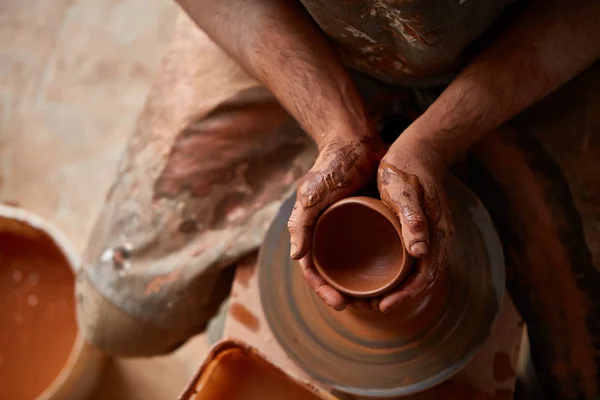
(412, 151)
(348, 130)
(448, 145)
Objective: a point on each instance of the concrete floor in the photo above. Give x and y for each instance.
(74, 74)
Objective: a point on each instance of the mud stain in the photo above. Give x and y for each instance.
(244, 316)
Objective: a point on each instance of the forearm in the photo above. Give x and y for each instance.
(280, 46)
(547, 45)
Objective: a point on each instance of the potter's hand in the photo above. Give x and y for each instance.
(343, 166)
(410, 181)
(278, 43)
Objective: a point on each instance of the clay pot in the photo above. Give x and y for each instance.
(43, 356)
(419, 343)
(358, 248)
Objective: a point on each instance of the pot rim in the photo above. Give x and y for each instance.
(382, 209)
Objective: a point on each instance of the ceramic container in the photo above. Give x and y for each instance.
(76, 378)
(234, 370)
(358, 248)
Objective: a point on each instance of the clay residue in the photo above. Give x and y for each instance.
(335, 172)
(343, 166)
(503, 369)
(156, 284)
(340, 165)
(239, 144)
(391, 40)
(240, 313)
(431, 202)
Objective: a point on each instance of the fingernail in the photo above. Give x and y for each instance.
(419, 249)
(293, 251)
(386, 308)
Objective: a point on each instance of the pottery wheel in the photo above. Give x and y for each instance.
(365, 355)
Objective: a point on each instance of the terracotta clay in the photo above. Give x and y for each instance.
(37, 321)
(419, 343)
(234, 371)
(358, 248)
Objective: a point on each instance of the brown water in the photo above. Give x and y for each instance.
(37, 314)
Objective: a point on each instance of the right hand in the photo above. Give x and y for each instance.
(342, 168)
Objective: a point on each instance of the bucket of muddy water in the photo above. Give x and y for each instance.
(41, 354)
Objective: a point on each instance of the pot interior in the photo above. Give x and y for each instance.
(37, 322)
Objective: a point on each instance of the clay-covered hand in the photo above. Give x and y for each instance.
(342, 167)
(410, 181)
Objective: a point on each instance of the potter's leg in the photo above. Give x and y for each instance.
(211, 160)
(541, 182)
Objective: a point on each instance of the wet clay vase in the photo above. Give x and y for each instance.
(409, 349)
(42, 356)
(358, 248)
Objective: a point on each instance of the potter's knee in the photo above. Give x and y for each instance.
(115, 332)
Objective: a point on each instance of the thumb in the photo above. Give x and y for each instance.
(340, 170)
(315, 193)
(404, 195)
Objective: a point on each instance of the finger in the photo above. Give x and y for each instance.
(428, 270)
(405, 196)
(414, 286)
(314, 195)
(328, 294)
(374, 303)
(359, 304)
(415, 232)
(300, 225)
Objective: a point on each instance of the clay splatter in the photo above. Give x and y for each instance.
(240, 313)
(156, 284)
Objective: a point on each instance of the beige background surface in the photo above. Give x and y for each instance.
(73, 76)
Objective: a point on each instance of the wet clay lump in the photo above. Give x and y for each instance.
(37, 317)
(358, 247)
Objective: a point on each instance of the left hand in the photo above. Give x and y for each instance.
(343, 166)
(411, 182)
